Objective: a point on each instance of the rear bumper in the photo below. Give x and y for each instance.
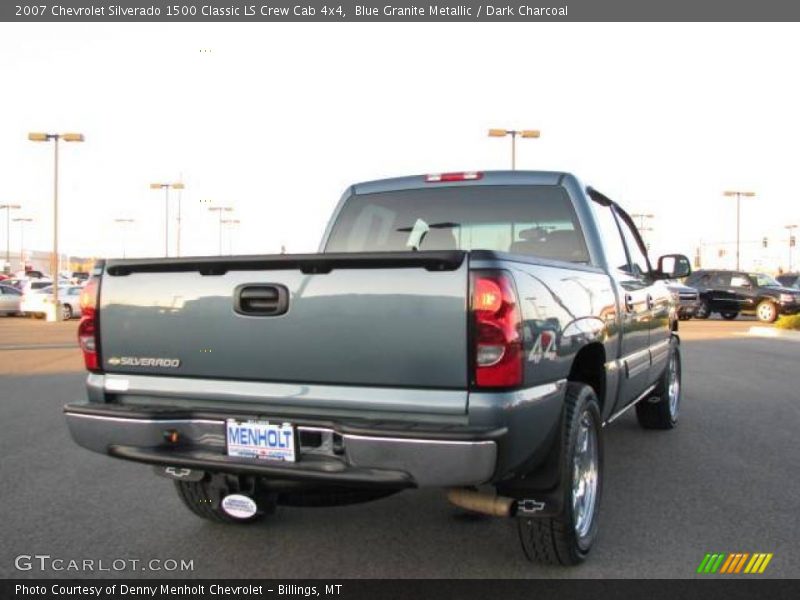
(362, 458)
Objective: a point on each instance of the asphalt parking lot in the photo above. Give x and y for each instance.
(724, 481)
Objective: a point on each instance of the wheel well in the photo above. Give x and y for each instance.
(589, 368)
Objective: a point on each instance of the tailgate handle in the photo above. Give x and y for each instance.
(261, 299)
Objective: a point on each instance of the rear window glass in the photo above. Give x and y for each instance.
(530, 220)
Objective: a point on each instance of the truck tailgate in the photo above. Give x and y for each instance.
(389, 319)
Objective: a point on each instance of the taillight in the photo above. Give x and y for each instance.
(87, 328)
(444, 177)
(497, 330)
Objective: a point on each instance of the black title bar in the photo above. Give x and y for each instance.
(398, 11)
(397, 589)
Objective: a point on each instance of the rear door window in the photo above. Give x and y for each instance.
(720, 280)
(740, 280)
(638, 259)
(614, 247)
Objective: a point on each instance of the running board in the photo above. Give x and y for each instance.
(638, 399)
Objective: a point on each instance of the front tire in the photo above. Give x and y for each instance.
(66, 312)
(729, 315)
(703, 310)
(766, 311)
(660, 410)
(568, 538)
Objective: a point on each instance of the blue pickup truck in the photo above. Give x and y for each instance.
(468, 331)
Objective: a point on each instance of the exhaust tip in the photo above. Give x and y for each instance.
(482, 502)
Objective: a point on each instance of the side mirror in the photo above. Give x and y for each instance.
(673, 266)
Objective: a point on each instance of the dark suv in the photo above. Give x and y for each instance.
(789, 280)
(732, 292)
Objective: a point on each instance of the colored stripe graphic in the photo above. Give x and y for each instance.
(717, 563)
(741, 561)
(765, 563)
(727, 564)
(733, 563)
(703, 564)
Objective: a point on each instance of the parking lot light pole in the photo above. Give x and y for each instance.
(22, 221)
(166, 187)
(219, 210)
(124, 223)
(55, 137)
(525, 133)
(8, 208)
(230, 223)
(738, 195)
(180, 187)
(642, 229)
(790, 229)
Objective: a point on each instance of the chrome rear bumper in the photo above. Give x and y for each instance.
(354, 459)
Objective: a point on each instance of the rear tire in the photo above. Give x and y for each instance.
(205, 501)
(568, 538)
(66, 312)
(729, 315)
(660, 410)
(766, 311)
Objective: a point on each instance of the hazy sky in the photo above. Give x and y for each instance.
(277, 119)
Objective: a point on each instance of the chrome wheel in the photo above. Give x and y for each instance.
(66, 312)
(766, 312)
(673, 385)
(585, 475)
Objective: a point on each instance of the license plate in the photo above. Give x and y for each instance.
(260, 439)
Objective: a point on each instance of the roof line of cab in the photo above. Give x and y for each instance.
(486, 178)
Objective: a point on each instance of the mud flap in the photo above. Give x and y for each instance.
(541, 492)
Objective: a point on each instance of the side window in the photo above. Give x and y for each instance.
(740, 280)
(612, 240)
(638, 258)
(721, 280)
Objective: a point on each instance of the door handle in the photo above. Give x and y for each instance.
(261, 299)
(629, 302)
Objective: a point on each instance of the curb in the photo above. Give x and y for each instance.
(774, 332)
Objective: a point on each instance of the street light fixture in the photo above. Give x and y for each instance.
(738, 194)
(525, 133)
(166, 187)
(220, 210)
(124, 223)
(8, 208)
(55, 137)
(790, 229)
(22, 221)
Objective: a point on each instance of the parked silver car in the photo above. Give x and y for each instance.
(37, 302)
(10, 298)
